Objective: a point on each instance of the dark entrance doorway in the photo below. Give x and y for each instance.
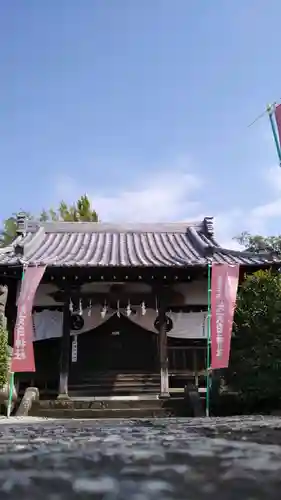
(116, 346)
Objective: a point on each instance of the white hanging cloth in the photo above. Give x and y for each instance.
(48, 323)
(191, 325)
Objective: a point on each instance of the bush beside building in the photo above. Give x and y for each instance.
(255, 364)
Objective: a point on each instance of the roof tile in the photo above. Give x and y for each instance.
(142, 245)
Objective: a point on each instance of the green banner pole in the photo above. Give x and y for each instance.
(271, 112)
(208, 343)
(11, 386)
(12, 376)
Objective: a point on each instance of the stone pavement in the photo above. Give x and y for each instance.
(218, 458)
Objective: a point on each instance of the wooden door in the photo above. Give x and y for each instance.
(117, 345)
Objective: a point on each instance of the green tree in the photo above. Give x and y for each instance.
(255, 364)
(258, 243)
(80, 211)
(9, 230)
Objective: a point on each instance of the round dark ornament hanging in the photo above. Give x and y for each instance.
(76, 322)
(168, 322)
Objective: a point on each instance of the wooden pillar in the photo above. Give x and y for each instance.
(163, 355)
(65, 352)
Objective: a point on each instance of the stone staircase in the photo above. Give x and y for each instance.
(108, 409)
(110, 384)
(109, 395)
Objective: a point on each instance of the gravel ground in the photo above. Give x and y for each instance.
(217, 458)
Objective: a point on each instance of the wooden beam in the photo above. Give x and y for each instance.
(65, 353)
(163, 354)
(135, 298)
(151, 275)
(163, 344)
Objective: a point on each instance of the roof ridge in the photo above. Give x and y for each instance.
(127, 227)
(246, 253)
(191, 246)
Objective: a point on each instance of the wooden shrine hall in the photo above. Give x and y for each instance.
(121, 309)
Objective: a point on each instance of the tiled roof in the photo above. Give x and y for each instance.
(143, 245)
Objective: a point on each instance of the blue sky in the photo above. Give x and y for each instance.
(145, 106)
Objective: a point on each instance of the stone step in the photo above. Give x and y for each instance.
(106, 394)
(114, 387)
(104, 403)
(116, 373)
(115, 379)
(113, 383)
(107, 403)
(108, 383)
(102, 413)
(109, 408)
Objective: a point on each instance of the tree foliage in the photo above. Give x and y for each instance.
(255, 365)
(258, 243)
(80, 211)
(9, 230)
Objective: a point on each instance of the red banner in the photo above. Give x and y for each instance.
(223, 299)
(23, 353)
(278, 120)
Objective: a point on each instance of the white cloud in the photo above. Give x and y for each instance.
(272, 176)
(162, 196)
(255, 220)
(268, 210)
(272, 209)
(228, 225)
(231, 223)
(173, 194)
(168, 196)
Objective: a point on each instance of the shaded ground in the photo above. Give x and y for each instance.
(233, 458)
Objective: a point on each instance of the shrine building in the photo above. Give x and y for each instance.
(121, 310)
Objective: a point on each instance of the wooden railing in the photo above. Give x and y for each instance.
(188, 361)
